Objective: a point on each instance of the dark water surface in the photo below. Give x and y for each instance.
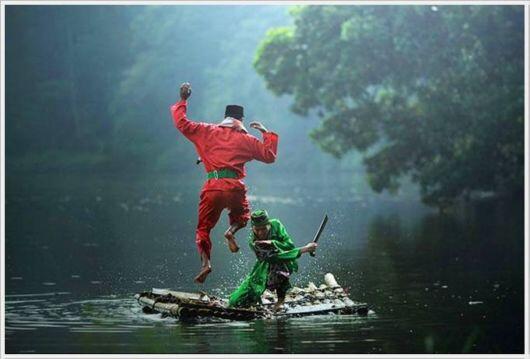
(79, 247)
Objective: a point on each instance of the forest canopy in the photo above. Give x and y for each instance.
(434, 93)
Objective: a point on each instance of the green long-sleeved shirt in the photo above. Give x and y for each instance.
(250, 291)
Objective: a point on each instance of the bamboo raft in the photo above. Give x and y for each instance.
(329, 297)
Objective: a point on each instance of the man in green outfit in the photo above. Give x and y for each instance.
(276, 260)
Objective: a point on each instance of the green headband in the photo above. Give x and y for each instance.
(260, 217)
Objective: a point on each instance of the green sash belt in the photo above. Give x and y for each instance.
(222, 173)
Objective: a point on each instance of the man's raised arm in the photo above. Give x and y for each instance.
(188, 128)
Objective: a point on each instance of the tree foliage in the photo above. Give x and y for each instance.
(433, 93)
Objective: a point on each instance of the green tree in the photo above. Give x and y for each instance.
(431, 93)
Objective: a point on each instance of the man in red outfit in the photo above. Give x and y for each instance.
(224, 149)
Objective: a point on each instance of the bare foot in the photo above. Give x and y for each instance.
(278, 307)
(201, 277)
(231, 240)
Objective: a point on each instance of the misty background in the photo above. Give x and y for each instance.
(405, 124)
(96, 96)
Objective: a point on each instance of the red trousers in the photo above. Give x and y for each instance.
(211, 205)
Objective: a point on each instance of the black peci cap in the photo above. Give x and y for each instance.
(234, 111)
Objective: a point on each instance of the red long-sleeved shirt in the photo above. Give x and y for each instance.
(224, 147)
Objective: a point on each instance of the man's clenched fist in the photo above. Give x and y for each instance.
(185, 90)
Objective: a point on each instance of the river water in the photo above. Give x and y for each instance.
(79, 246)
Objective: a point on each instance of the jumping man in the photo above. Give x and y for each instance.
(224, 149)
